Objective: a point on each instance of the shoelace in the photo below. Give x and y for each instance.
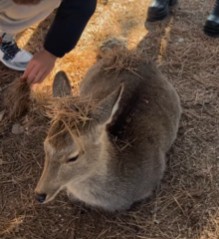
(10, 49)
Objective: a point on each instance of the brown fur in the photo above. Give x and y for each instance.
(143, 83)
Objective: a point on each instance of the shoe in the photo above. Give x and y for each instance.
(211, 27)
(11, 55)
(159, 9)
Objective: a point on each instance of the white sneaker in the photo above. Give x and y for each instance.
(11, 55)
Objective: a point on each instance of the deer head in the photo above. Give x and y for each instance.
(77, 144)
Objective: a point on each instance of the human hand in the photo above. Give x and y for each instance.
(27, 2)
(39, 67)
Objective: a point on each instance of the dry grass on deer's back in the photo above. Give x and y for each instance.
(120, 60)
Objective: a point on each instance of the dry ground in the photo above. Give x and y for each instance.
(187, 204)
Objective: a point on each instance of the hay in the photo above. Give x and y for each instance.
(16, 99)
(69, 112)
(110, 47)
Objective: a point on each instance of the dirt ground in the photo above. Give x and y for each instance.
(187, 204)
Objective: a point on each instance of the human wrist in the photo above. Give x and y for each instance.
(50, 55)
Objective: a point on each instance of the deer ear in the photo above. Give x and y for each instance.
(61, 85)
(108, 107)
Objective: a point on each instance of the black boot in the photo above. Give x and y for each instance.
(159, 9)
(211, 26)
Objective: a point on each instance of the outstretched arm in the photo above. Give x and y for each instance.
(64, 33)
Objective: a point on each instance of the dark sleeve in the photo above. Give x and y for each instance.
(69, 23)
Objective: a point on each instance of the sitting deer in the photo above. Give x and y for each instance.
(109, 151)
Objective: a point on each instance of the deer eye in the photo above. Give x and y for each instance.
(72, 159)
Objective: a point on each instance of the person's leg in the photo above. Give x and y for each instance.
(15, 18)
(159, 9)
(211, 26)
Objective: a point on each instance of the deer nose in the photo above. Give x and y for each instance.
(40, 197)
